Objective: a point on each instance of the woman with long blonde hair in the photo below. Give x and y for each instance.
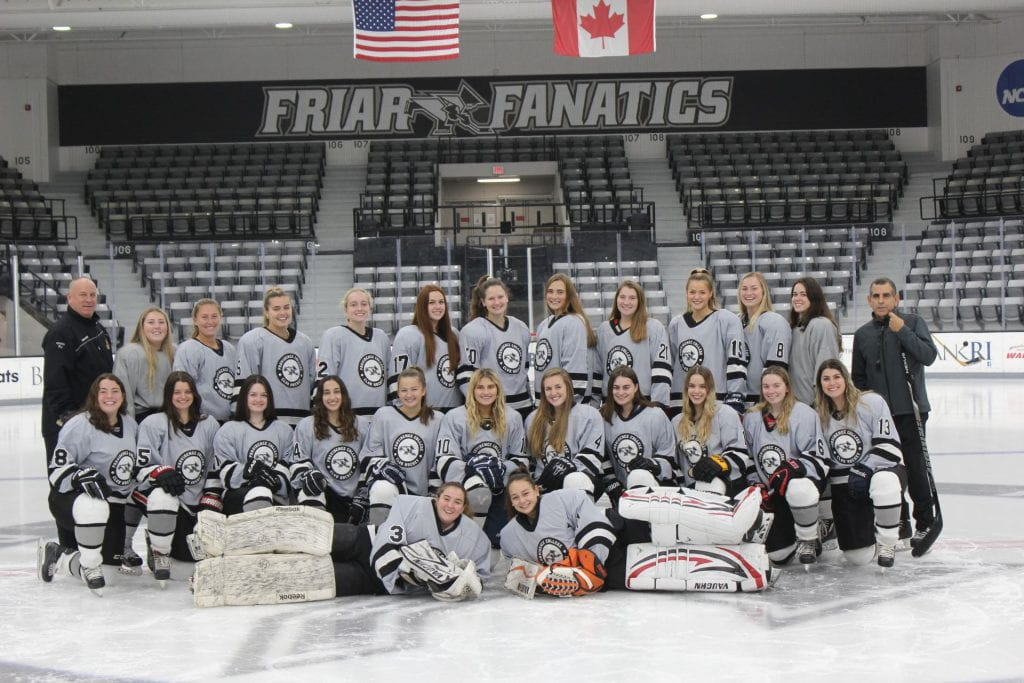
(565, 337)
(144, 363)
(358, 353)
(768, 333)
(211, 361)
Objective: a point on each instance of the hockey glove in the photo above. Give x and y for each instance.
(578, 574)
(313, 483)
(211, 500)
(554, 473)
(91, 483)
(465, 586)
(385, 470)
(642, 463)
(858, 484)
(709, 467)
(169, 479)
(489, 469)
(259, 473)
(358, 508)
(766, 496)
(778, 482)
(735, 400)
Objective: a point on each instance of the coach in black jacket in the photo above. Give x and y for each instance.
(76, 350)
(878, 347)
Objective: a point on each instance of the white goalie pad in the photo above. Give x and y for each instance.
(742, 568)
(522, 578)
(277, 529)
(689, 516)
(262, 580)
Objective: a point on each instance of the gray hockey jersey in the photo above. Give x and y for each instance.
(80, 445)
(810, 348)
(869, 437)
(413, 519)
(506, 351)
(716, 342)
(562, 343)
(726, 439)
(288, 364)
(131, 367)
(214, 373)
(337, 460)
(651, 359)
(361, 361)
(565, 519)
(190, 454)
(646, 433)
(584, 442)
(408, 350)
(769, 449)
(237, 442)
(406, 442)
(455, 444)
(767, 345)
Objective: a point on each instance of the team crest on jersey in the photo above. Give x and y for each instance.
(445, 377)
(770, 457)
(551, 550)
(690, 353)
(289, 370)
(618, 357)
(691, 450)
(224, 383)
(192, 466)
(487, 448)
(846, 446)
(341, 462)
(264, 451)
(122, 468)
(550, 452)
(510, 358)
(626, 447)
(408, 450)
(371, 370)
(542, 355)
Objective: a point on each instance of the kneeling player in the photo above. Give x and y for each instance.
(661, 539)
(91, 475)
(868, 477)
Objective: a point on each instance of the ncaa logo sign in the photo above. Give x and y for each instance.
(1010, 88)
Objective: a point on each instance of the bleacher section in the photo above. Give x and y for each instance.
(784, 255)
(394, 291)
(794, 177)
(26, 215)
(987, 182)
(236, 275)
(228, 191)
(596, 282)
(969, 276)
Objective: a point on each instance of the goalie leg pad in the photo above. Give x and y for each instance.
(716, 485)
(698, 568)
(700, 517)
(262, 580)
(277, 529)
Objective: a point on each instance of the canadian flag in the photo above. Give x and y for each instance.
(603, 28)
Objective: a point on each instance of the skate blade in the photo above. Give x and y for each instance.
(130, 571)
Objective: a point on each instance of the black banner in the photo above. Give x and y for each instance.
(466, 107)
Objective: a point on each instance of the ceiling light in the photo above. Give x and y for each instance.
(502, 179)
(61, 28)
(709, 15)
(283, 24)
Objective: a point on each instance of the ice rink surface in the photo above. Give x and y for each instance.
(956, 614)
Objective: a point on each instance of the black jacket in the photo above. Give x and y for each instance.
(76, 351)
(877, 364)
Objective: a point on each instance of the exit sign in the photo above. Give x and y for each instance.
(497, 170)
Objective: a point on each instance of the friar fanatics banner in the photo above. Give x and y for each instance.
(467, 107)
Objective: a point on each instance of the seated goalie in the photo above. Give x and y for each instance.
(661, 538)
(424, 544)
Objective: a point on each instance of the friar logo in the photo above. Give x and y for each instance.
(341, 462)
(264, 451)
(619, 356)
(551, 550)
(408, 450)
(444, 372)
(192, 465)
(770, 457)
(542, 355)
(122, 468)
(289, 370)
(488, 448)
(224, 383)
(371, 370)
(690, 353)
(692, 450)
(846, 446)
(626, 447)
(510, 358)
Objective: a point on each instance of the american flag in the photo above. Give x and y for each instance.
(406, 30)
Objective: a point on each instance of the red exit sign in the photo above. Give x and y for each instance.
(497, 170)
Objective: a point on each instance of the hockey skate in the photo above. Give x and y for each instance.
(161, 568)
(48, 555)
(886, 555)
(93, 578)
(807, 553)
(916, 539)
(827, 535)
(131, 563)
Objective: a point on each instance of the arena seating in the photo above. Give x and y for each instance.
(394, 289)
(986, 182)
(969, 275)
(228, 191)
(596, 282)
(794, 177)
(25, 214)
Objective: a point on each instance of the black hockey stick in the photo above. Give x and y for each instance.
(925, 544)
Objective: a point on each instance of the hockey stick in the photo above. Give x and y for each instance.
(925, 544)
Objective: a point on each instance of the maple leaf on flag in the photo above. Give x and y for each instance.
(602, 24)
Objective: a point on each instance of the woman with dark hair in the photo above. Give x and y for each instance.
(565, 338)
(210, 360)
(176, 477)
(632, 338)
(91, 475)
(144, 363)
(431, 344)
(493, 339)
(788, 468)
(358, 353)
(252, 451)
(868, 477)
(282, 355)
(816, 337)
(325, 472)
(400, 450)
(768, 334)
(565, 439)
(638, 435)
